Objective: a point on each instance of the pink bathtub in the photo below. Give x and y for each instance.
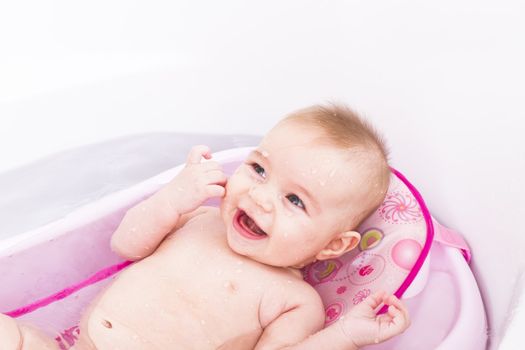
(49, 274)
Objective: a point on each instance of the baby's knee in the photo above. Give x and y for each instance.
(33, 338)
(14, 336)
(10, 336)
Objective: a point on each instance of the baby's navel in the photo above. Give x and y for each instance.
(107, 324)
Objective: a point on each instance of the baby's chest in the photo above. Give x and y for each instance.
(200, 278)
(199, 257)
(207, 273)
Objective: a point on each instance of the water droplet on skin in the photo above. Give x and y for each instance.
(133, 229)
(265, 154)
(332, 173)
(313, 171)
(322, 183)
(203, 322)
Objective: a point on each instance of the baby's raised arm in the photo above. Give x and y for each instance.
(146, 224)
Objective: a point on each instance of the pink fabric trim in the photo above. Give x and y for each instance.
(447, 236)
(100, 275)
(428, 243)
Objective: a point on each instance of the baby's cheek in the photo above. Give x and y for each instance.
(295, 245)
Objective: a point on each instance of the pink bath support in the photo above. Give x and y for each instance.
(50, 274)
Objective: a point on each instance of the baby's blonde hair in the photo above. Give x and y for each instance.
(346, 129)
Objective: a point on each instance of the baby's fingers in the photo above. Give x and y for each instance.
(215, 191)
(374, 300)
(197, 152)
(397, 324)
(216, 177)
(398, 305)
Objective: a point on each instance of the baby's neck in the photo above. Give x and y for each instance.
(297, 272)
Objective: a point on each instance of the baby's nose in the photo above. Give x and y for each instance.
(261, 197)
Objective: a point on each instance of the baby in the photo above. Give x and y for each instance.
(229, 278)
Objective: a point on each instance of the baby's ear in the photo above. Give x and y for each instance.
(340, 244)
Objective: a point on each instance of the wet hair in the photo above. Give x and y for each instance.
(346, 129)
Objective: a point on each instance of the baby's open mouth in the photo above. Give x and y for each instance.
(247, 227)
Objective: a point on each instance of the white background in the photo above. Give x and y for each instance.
(444, 82)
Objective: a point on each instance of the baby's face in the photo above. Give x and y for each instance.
(290, 197)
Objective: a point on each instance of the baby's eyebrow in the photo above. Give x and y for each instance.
(258, 154)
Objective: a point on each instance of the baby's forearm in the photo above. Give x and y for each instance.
(143, 227)
(329, 338)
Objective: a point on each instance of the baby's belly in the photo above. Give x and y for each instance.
(160, 305)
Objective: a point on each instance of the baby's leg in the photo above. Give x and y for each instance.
(21, 337)
(10, 338)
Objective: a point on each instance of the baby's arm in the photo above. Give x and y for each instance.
(289, 322)
(361, 326)
(299, 328)
(146, 224)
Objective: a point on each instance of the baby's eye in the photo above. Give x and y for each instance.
(259, 170)
(296, 201)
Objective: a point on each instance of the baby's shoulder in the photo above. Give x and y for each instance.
(203, 212)
(287, 293)
(300, 291)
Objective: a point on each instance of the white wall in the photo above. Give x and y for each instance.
(443, 80)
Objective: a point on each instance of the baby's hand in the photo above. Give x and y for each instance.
(196, 183)
(364, 327)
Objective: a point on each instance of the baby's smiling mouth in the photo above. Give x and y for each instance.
(247, 226)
